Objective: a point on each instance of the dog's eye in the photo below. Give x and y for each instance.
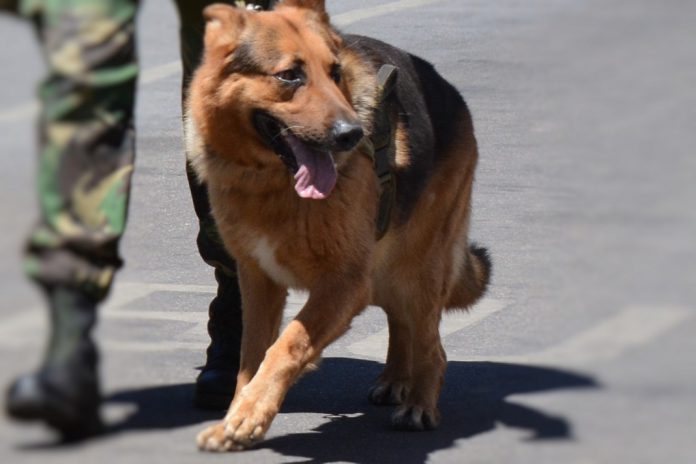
(336, 73)
(292, 76)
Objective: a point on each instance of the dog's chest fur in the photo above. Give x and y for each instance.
(264, 252)
(296, 241)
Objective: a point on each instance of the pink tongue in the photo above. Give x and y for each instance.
(316, 176)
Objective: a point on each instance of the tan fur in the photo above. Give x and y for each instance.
(327, 247)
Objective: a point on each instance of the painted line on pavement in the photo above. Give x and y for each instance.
(29, 109)
(123, 305)
(627, 330)
(19, 112)
(350, 17)
(375, 346)
(124, 293)
(13, 329)
(624, 331)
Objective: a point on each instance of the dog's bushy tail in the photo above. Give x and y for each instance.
(474, 279)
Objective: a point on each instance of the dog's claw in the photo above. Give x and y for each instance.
(218, 438)
(388, 393)
(415, 418)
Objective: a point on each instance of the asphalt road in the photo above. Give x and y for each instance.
(583, 350)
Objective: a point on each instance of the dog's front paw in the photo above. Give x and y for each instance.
(215, 439)
(244, 425)
(415, 418)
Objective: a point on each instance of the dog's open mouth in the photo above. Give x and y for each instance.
(313, 168)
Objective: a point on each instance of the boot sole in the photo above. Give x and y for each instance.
(87, 424)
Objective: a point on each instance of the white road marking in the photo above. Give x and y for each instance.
(154, 346)
(350, 17)
(122, 306)
(19, 112)
(14, 329)
(162, 71)
(375, 346)
(124, 293)
(29, 109)
(629, 329)
(626, 330)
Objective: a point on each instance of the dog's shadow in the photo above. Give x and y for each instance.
(474, 399)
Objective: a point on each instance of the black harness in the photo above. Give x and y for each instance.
(381, 147)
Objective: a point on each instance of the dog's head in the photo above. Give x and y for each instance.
(270, 90)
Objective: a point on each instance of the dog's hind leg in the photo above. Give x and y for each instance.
(394, 383)
(414, 372)
(419, 409)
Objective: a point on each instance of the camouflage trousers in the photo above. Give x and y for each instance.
(87, 138)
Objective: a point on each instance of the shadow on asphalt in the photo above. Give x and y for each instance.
(473, 400)
(154, 408)
(160, 408)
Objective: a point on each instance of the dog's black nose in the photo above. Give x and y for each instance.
(346, 135)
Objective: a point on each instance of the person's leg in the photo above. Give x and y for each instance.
(8, 5)
(85, 164)
(215, 384)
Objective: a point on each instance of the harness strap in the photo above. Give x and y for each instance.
(383, 148)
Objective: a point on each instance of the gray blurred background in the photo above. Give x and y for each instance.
(583, 350)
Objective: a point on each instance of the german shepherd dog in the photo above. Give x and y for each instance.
(277, 118)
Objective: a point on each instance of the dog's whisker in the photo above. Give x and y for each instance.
(287, 129)
(291, 128)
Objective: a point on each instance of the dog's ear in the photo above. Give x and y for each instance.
(317, 5)
(222, 13)
(223, 22)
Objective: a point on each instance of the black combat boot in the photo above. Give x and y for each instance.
(64, 392)
(216, 383)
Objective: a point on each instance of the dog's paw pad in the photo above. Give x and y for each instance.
(415, 418)
(385, 393)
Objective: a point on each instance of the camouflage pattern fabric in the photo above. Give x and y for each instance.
(87, 136)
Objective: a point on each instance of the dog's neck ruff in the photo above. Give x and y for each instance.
(234, 176)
